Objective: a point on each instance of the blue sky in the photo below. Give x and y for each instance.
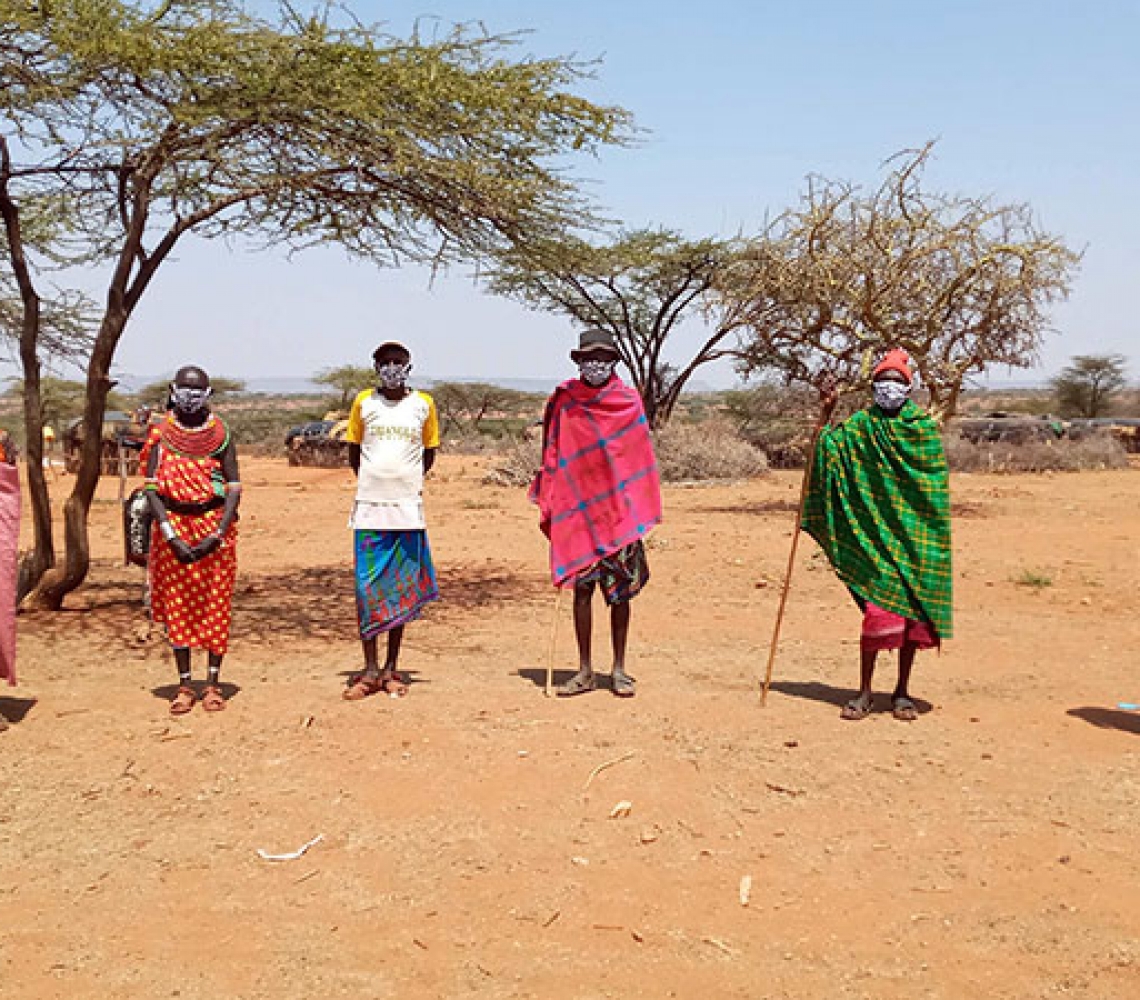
(1031, 101)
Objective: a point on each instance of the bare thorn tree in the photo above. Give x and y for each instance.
(959, 282)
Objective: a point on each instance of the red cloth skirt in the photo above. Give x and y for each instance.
(194, 602)
(884, 629)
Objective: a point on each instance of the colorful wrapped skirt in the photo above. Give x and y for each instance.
(885, 630)
(395, 579)
(194, 602)
(621, 575)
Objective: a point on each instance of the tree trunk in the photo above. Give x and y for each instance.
(42, 556)
(59, 581)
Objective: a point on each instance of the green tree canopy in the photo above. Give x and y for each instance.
(155, 393)
(345, 382)
(640, 286)
(1089, 384)
(463, 406)
(62, 400)
(137, 123)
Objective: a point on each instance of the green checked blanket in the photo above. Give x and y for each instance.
(879, 506)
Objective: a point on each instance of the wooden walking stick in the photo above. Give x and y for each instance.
(827, 404)
(549, 689)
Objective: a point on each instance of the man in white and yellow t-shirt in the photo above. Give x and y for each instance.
(393, 434)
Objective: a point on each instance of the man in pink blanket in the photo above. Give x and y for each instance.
(598, 494)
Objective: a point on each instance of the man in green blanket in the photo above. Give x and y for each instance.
(879, 506)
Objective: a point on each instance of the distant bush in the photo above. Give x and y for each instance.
(1096, 451)
(706, 451)
(261, 431)
(517, 464)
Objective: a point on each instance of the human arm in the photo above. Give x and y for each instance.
(182, 552)
(828, 398)
(213, 541)
(354, 433)
(430, 434)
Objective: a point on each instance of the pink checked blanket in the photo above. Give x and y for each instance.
(598, 490)
(9, 549)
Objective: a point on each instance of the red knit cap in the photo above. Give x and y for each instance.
(895, 360)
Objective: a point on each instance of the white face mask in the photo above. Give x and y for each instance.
(187, 399)
(596, 372)
(890, 395)
(393, 374)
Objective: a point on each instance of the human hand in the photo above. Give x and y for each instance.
(207, 546)
(182, 552)
(828, 393)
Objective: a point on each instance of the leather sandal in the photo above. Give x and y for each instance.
(363, 686)
(183, 701)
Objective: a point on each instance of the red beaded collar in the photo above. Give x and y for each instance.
(195, 442)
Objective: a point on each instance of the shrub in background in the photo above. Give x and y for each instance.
(1095, 451)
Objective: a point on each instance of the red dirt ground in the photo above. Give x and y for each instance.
(989, 849)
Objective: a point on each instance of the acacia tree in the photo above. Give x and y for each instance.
(959, 282)
(463, 406)
(345, 381)
(142, 123)
(1087, 385)
(639, 286)
(221, 387)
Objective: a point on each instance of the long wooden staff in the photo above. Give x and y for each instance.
(549, 689)
(805, 483)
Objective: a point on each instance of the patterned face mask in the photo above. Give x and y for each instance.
(890, 395)
(596, 372)
(393, 374)
(189, 400)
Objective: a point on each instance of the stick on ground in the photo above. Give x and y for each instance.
(609, 763)
(549, 688)
(804, 483)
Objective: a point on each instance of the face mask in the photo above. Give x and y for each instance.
(393, 374)
(189, 400)
(596, 372)
(889, 395)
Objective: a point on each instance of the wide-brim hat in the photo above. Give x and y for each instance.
(387, 345)
(595, 339)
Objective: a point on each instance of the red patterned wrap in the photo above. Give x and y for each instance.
(193, 601)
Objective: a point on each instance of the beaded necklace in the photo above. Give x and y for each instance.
(195, 442)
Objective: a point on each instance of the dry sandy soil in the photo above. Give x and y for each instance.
(989, 849)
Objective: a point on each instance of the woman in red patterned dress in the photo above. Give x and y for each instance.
(193, 488)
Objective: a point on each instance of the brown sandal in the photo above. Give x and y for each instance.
(393, 685)
(212, 698)
(363, 686)
(183, 701)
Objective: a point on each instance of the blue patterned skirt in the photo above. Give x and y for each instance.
(395, 578)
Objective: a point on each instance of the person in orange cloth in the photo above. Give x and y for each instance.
(193, 489)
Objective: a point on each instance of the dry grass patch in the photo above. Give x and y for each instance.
(1098, 451)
